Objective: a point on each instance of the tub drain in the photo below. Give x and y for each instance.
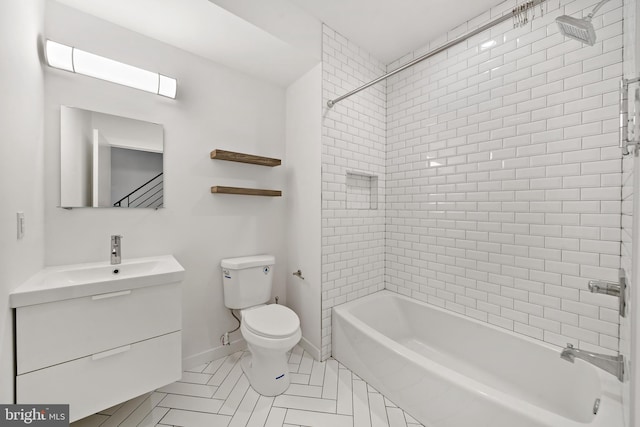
(596, 406)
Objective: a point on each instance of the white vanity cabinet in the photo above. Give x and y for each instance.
(99, 349)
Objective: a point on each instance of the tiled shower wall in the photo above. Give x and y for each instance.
(503, 185)
(353, 176)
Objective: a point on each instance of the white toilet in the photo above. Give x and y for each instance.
(269, 330)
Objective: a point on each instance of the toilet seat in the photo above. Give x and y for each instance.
(271, 321)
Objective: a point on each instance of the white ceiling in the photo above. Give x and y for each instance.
(388, 29)
(279, 40)
(207, 30)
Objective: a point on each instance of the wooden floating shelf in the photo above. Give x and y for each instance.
(247, 191)
(244, 158)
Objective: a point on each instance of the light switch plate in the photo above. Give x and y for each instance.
(20, 224)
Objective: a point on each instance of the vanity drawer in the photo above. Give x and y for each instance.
(56, 332)
(96, 382)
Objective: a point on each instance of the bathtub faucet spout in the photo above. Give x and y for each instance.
(612, 364)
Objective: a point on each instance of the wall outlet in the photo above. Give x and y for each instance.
(20, 224)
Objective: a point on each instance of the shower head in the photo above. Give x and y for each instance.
(579, 29)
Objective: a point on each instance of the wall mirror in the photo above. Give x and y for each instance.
(109, 161)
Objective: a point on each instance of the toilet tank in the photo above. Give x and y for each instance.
(247, 281)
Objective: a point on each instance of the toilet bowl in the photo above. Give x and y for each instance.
(270, 332)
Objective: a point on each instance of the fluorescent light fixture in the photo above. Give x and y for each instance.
(81, 62)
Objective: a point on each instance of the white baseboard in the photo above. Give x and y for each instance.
(206, 356)
(310, 348)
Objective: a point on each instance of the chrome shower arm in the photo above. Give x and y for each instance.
(514, 13)
(596, 9)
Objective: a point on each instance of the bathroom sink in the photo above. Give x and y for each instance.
(79, 280)
(100, 273)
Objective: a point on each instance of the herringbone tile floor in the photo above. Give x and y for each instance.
(218, 394)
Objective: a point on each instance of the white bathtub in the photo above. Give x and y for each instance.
(449, 370)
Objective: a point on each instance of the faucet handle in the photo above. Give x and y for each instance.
(616, 289)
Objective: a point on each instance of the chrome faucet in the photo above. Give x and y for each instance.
(116, 247)
(612, 364)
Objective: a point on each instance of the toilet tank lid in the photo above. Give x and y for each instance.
(247, 262)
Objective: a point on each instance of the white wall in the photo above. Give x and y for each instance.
(126, 133)
(303, 154)
(504, 175)
(21, 167)
(353, 140)
(216, 108)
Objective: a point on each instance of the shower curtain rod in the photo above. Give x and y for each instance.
(520, 12)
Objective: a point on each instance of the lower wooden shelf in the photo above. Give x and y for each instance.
(246, 191)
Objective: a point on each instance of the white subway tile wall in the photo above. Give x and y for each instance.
(499, 176)
(353, 139)
(503, 176)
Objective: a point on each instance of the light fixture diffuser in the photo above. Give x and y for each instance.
(168, 86)
(59, 55)
(81, 62)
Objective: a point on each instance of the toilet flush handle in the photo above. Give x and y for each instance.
(298, 273)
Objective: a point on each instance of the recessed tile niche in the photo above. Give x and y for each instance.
(362, 190)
